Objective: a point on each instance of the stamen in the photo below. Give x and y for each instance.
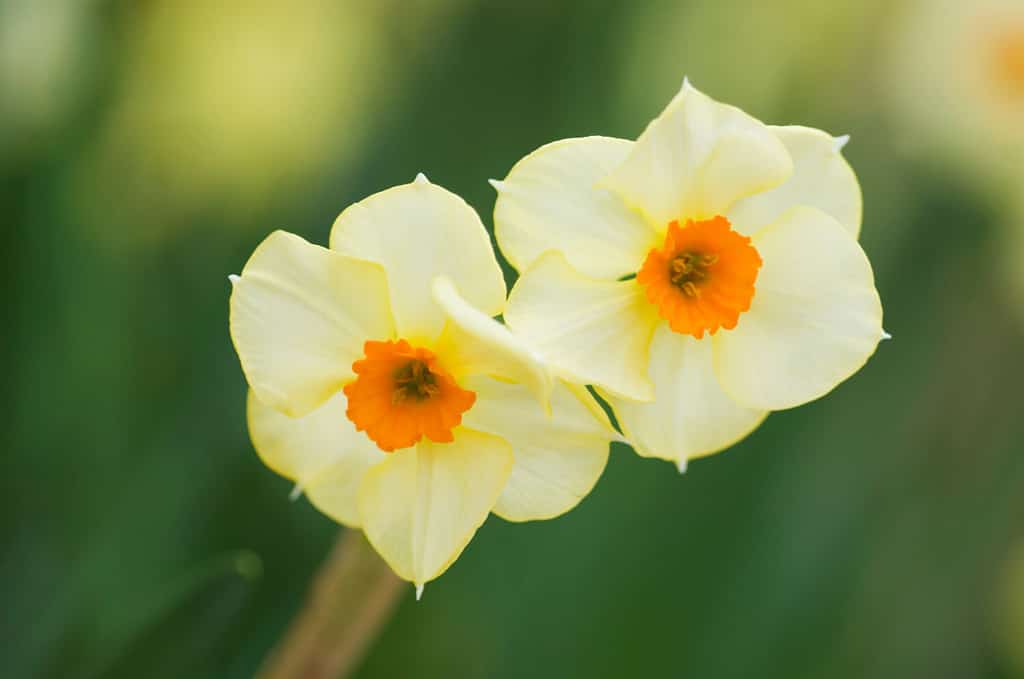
(414, 381)
(689, 268)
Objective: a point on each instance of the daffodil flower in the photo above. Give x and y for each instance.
(381, 384)
(699, 277)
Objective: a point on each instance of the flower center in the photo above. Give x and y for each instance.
(702, 278)
(414, 380)
(690, 269)
(1008, 60)
(402, 393)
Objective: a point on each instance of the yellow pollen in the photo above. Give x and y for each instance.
(689, 268)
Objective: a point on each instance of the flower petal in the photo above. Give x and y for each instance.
(322, 452)
(299, 316)
(696, 159)
(550, 201)
(590, 332)
(558, 458)
(422, 505)
(419, 231)
(821, 178)
(815, 320)
(691, 415)
(475, 344)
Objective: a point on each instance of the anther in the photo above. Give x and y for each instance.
(689, 268)
(414, 380)
(681, 267)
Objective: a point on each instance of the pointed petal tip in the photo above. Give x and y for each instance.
(421, 179)
(681, 465)
(886, 336)
(419, 591)
(234, 278)
(497, 184)
(838, 143)
(296, 492)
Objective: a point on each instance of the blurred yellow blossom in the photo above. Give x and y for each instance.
(956, 80)
(44, 67)
(227, 105)
(956, 77)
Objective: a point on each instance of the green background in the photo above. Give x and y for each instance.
(868, 534)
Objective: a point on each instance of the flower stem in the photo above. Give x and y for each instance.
(352, 596)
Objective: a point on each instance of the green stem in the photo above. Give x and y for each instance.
(351, 598)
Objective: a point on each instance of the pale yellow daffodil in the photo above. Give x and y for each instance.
(382, 385)
(699, 277)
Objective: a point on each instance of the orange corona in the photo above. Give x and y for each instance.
(702, 278)
(1008, 52)
(401, 394)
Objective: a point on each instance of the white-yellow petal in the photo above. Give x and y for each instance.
(475, 344)
(558, 458)
(422, 505)
(550, 201)
(322, 452)
(690, 415)
(696, 159)
(299, 317)
(588, 331)
(419, 231)
(821, 178)
(815, 319)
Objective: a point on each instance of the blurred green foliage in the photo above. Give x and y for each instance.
(864, 535)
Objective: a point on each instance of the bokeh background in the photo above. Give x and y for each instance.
(147, 147)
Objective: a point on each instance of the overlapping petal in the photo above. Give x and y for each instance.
(691, 415)
(558, 457)
(419, 231)
(422, 505)
(589, 331)
(322, 452)
(696, 159)
(299, 316)
(475, 344)
(821, 178)
(550, 201)
(815, 320)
